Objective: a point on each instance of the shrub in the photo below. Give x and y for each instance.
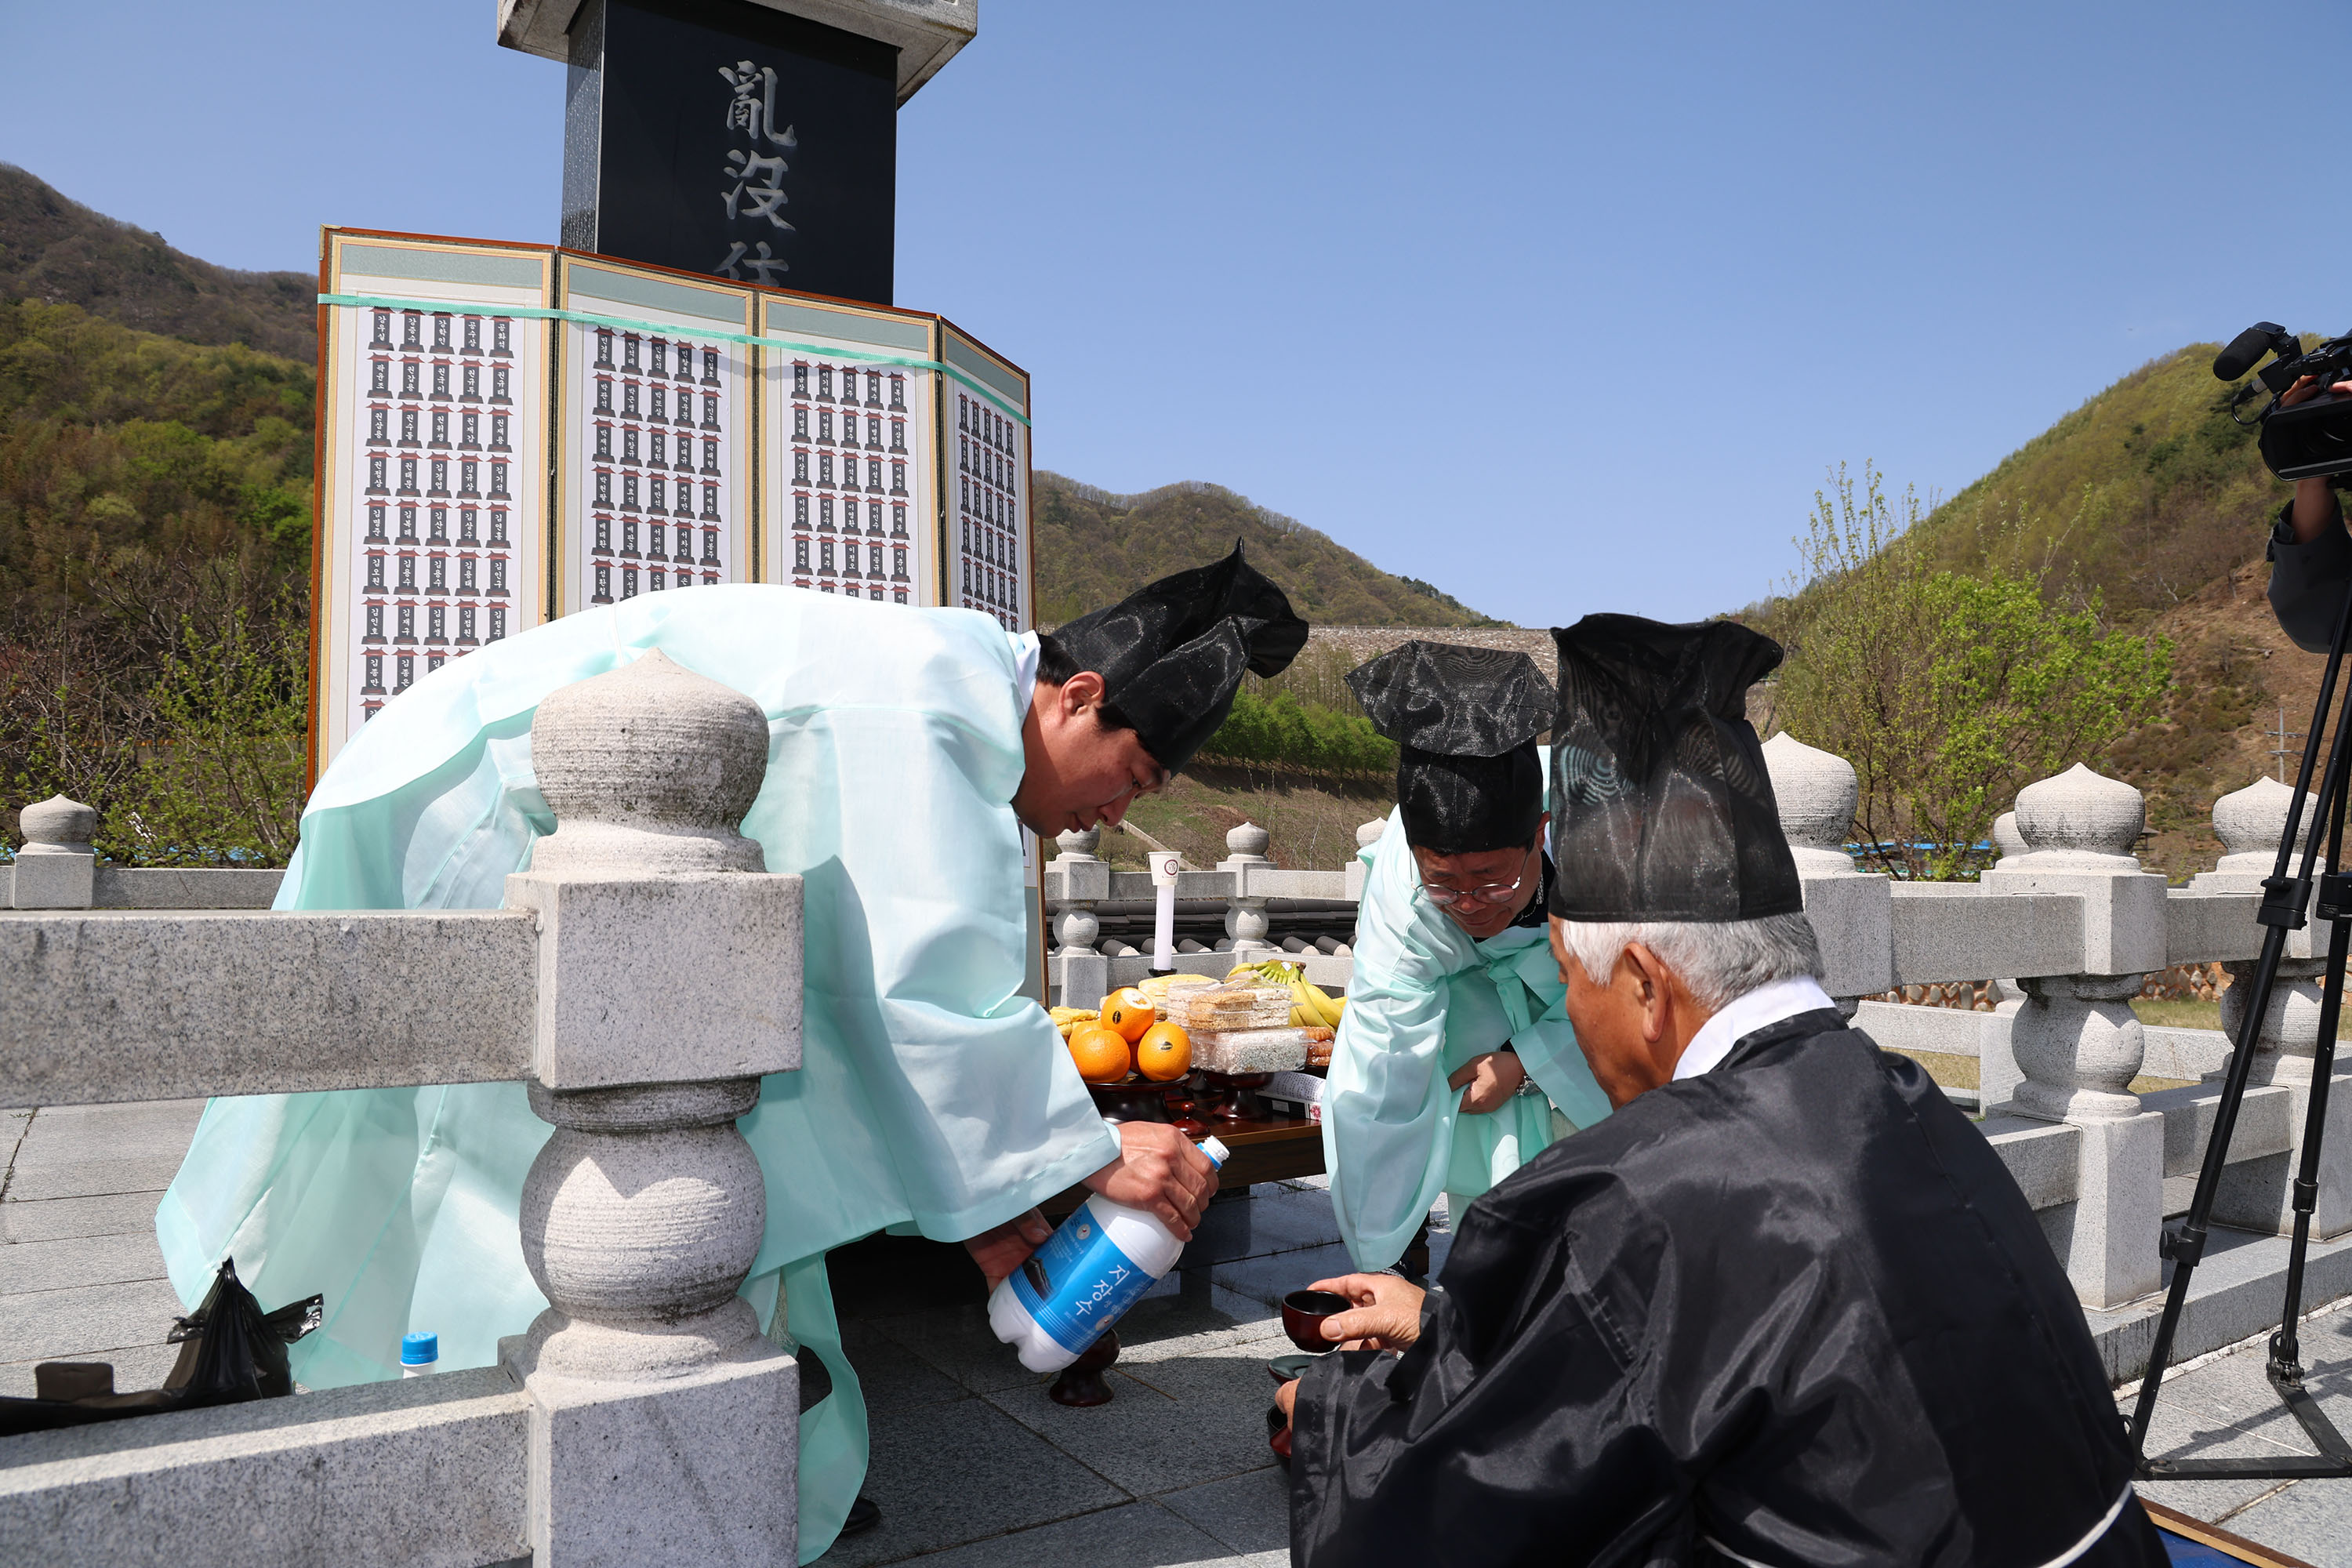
(1304, 737)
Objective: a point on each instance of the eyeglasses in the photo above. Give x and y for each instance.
(1491, 893)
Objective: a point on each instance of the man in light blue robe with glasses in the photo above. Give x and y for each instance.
(1455, 1046)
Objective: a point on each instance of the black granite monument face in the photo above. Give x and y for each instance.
(722, 137)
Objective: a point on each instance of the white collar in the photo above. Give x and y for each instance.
(1743, 1015)
(1025, 654)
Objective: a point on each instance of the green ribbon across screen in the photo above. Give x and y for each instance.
(623, 323)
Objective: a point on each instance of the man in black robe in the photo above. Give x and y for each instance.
(1785, 1306)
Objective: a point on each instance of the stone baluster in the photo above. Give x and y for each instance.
(1078, 880)
(2256, 1194)
(1076, 925)
(2008, 994)
(1246, 920)
(2249, 823)
(1816, 792)
(1365, 836)
(2007, 838)
(665, 1423)
(2075, 1038)
(57, 868)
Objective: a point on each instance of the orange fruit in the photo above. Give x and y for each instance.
(1100, 1053)
(1130, 1012)
(1165, 1053)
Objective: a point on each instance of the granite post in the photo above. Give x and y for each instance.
(2077, 1040)
(2258, 1194)
(663, 1424)
(1077, 879)
(1368, 835)
(57, 868)
(1816, 792)
(1246, 917)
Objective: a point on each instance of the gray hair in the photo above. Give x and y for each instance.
(1719, 962)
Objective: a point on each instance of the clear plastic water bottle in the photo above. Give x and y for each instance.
(1085, 1278)
(419, 1353)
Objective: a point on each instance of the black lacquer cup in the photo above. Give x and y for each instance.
(1303, 1312)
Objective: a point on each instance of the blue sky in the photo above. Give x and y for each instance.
(1562, 308)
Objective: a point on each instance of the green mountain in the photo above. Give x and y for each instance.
(2152, 497)
(2150, 502)
(61, 253)
(2144, 494)
(1093, 547)
(154, 556)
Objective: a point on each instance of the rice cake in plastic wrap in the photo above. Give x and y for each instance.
(1157, 987)
(1257, 1050)
(1220, 1009)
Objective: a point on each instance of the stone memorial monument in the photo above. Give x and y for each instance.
(755, 140)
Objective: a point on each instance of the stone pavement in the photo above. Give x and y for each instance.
(2222, 1406)
(80, 1275)
(972, 1464)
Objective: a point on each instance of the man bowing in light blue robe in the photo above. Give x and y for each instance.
(907, 747)
(1455, 1044)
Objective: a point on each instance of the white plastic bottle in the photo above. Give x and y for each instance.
(420, 1354)
(1084, 1279)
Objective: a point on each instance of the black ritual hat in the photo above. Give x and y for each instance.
(1464, 720)
(1172, 653)
(1661, 808)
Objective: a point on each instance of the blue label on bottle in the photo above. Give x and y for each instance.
(1078, 1284)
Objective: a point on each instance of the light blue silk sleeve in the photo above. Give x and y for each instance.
(1424, 999)
(1388, 1116)
(1548, 1048)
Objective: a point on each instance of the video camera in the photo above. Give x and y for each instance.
(2313, 437)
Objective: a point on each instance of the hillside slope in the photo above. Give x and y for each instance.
(2144, 495)
(2150, 503)
(2236, 681)
(1093, 547)
(2150, 497)
(61, 253)
(119, 449)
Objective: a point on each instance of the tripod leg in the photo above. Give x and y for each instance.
(2282, 911)
(2286, 1365)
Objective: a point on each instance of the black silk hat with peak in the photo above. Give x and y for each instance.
(1661, 808)
(1172, 653)
(1464, 720)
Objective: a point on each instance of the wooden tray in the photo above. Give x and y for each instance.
(2236, 1548)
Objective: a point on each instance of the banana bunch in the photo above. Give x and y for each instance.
(1310, 1006)
(1066, 1019)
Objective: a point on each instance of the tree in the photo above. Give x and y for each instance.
(1947, 692)
(227, 786)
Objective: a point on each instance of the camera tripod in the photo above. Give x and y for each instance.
(2285, 897)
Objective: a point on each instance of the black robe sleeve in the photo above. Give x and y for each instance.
(1791, 1312)
(2308, 582)
(1520, 1426)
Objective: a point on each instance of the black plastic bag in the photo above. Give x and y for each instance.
(230, 1350)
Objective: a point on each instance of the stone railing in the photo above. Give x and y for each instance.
(1245, 888)
(643, 1417)
(2068, 925)
(56, 869)
(2072, 925)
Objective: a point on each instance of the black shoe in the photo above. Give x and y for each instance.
(863, 1515)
